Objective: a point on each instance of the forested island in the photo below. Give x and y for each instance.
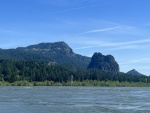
(53, 64)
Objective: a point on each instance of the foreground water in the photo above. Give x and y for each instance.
(74, 100)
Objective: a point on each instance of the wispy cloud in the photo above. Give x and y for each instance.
(102, 30)
(123, 47)
(105, 44)
(131, 42)
(78, 8)
(95, 31)
(137, 61)
(86, 47)
(72, 9)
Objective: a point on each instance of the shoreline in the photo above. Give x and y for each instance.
(77, 83)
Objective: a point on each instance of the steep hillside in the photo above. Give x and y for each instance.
(52, 53)
(104, 63)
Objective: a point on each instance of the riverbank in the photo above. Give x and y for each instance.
(77, 83)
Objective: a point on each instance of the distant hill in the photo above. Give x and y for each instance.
(57, 62)
(104, 63)
(52, 53)
(61, 54)
(134, 72)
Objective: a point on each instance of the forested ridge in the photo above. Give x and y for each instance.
(11, 71)
(56, 63)
(58, 52)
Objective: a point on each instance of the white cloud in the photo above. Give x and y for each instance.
(86, 47)
(124, 47)
(72, 9)
(136, 61)
(95, 31)
(102, 30)
(65, 3)
(121, 44)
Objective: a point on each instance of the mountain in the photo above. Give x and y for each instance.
(61, 54)
(104, 63)
(51, 53)
(134, 72)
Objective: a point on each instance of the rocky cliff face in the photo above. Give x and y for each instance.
(104, 63)
(57, 47)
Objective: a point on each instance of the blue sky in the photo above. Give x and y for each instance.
(117, 27)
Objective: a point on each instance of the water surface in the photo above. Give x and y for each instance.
(74, 100)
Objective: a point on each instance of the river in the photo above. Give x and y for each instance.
(74, 99)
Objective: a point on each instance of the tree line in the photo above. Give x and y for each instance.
(38, 71)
